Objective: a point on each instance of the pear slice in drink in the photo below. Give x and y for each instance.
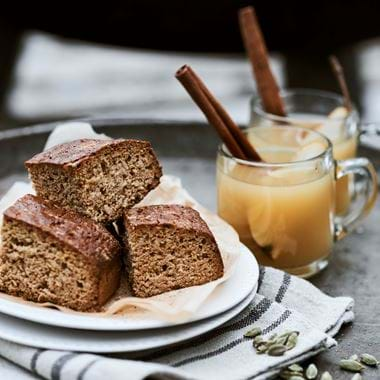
(309, 151)
(333, 127)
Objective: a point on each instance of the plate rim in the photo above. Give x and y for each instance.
(178, 338)
(80, 322)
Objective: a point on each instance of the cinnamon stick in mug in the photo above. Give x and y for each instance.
(230, 133)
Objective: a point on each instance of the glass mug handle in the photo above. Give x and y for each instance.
(364, 168)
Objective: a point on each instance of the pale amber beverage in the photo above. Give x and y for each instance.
(325, 113)
(282, 208)
(334, 127)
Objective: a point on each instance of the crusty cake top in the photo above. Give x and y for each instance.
(79, 233)
(77, 151)
(166, 215)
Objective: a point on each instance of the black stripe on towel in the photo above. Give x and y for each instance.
(283, 288)
(84, 370)
(278, 322)
(34, 359)
(210, 354)
(261, 277)
(58, 365)
(254, 315)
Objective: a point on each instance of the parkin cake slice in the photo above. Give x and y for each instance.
(96, 178)
(169, 247)
(53, 255)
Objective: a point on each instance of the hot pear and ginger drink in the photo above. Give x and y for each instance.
(344, 146)
(282, 208)
(343, 135)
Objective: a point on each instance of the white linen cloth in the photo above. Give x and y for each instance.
(283, 303)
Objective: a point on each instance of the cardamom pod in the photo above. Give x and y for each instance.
(257, 340)
(282, 340)
(326, 376)
(286, 374)
(271, 342)
(296, 377)
(253, 333)
(311, 372)
(351, 365)
(357, 376)
(292, 341)
(260, 352)
(261, 348)
(369, 360)
(295, 368)
(354, 357)
(276, 350)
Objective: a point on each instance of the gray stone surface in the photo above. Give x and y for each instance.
(188, 150)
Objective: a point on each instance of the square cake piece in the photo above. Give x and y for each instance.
(169, 247)
(52, 255)
(97, 178)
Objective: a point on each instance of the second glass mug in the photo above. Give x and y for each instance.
(284, 208)
(322, 111)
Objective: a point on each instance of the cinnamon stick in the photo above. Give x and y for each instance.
(230, 133)
(218, 117)
(340, 77)
(258, 55)
(237, 133)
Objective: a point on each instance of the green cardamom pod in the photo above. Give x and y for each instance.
(261, 348)
(369, 360)
(299, 374)
(286, 374)
(326, 376)
(276, 350)
(260, 352)
(282, 340)
(258, 339)
(253, 333)
(295, 368)
(292, 341)
(271, 343)
(357, 376)
(311, 372)
(351, 365)
(296, 377)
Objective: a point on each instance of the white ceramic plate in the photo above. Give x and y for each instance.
(227, 295)
(57, 338)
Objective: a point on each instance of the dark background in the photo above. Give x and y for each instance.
(305, 32)
(210, 26)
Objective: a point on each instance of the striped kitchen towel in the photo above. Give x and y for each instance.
(283, 302)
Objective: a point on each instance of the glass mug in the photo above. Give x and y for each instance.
(284, 208)
(324, 112)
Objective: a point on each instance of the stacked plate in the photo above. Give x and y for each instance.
(52, 329)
